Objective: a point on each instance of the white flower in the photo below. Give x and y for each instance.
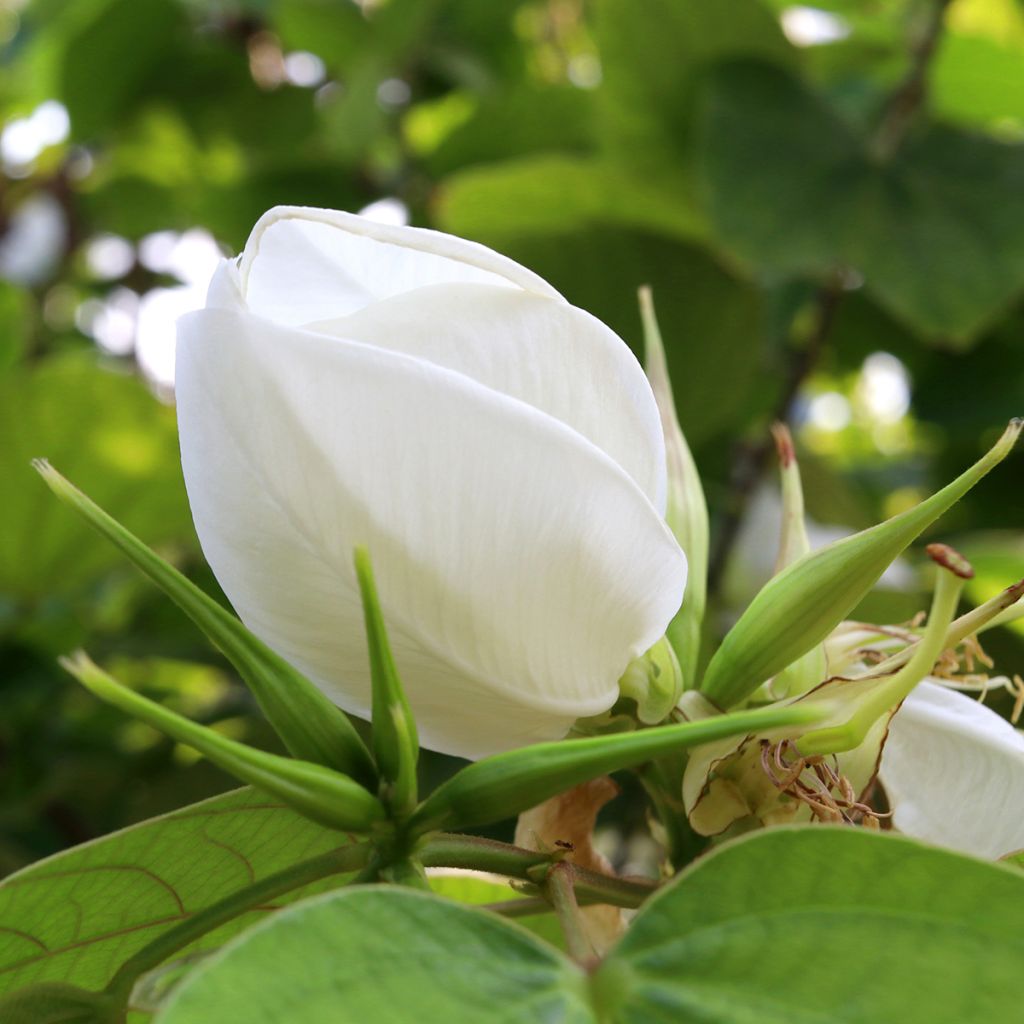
(953, 771)
(497, 450)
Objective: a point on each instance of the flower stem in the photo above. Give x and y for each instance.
(449, 850)
(561, 893)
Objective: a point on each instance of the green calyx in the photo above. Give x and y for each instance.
(321, 794)
(395, 743)
(310, 726)
(686, 511)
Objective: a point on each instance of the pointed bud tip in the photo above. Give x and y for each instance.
(75, 662)
(949, 558)
(1010, 434)
(784, 444)
(44, 469)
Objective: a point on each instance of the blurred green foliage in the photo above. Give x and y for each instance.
(804, 188)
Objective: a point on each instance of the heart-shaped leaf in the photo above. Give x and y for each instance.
(807, 924)
(76, 917)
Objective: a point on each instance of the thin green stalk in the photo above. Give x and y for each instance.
(336, 862)
(561, 892)
(448, 850)
(663, 782)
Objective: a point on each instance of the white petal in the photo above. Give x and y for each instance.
(303, 264)
(542, 351)
(520, 568)
(954, 773)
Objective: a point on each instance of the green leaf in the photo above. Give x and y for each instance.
(800, 606)
(650, 66)
(312, 728)
(76, 917)
(503, 785)
(55, 1003)
(741, 937)
(383, 955)
(123, 445)
(321, 794)
(923, 228)
(111, 58)
(474, 887)
(550, 193)
(16, 321)
(977, 81)
(523, 121)
(823, 924)
(395, 742)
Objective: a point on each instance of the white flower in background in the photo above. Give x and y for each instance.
(953, 771)
(497, 450)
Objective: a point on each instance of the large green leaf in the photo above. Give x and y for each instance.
(384, 955)
(117, 440)
(650, 63)
(553, 193)
(111, 57)
(807, 925)
(78, 916)
(824, 924)
(937, 231)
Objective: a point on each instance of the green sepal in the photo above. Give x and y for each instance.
(310, 726)
(395, 743)
(654, 682)
(53, 1002)
(501, 786)
(320, 794)
(809, 670)
(686, 510)
(798, 608)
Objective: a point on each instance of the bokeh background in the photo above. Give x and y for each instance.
(828, 202)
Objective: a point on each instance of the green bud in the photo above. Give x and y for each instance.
(395, 742)
(322, 795)
(654, 682)
(797, 609)
(502, 786)
(311, 727)
(806, 672)
(686, 512)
